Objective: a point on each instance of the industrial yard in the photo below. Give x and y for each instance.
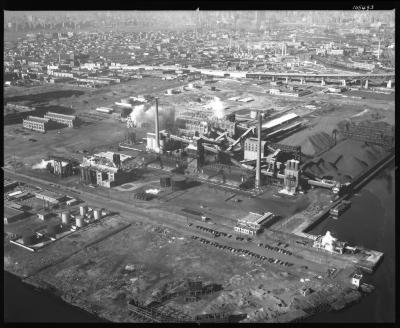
(77, 264)
(178, 182)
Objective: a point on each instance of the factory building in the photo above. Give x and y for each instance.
(50, 196)
(251, 148)
(192, 127)
(68, 120)
(61, 166)
(252, 223)
(36, 123)
(151, 142)
(291, 179)
(280, 174)
(226, 174)
(107, 169)
(14, 113)
(200, 122)
(43, 214)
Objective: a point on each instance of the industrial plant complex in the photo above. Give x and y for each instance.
(183, 180)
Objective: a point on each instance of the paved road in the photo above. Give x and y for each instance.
(144, 212)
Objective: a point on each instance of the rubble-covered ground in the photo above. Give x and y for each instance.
(142, 260)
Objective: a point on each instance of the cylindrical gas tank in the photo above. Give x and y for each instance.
(178, 183)
(53, 229)
(65, 217)
(79, 221)
(97, 213)
(82, 210)
(165, 181)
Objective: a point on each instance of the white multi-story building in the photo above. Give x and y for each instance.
(252, 223)
(251, 148)
(36, 123)
(68, 120)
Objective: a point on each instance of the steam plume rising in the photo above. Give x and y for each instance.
(217, 107)
(41, 165)
(144, 113)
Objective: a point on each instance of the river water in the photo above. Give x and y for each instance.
(25, 303)
(369, 222)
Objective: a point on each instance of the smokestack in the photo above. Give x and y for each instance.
(258, 168)
(157, 127)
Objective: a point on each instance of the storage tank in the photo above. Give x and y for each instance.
(97, 213)
(65, 217)
(79, 221)
(165, 181)
(178, 183)
(53, 229)
(82, 210)
(162, 143)
(29, 238)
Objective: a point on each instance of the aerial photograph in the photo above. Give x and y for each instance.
(199, 166)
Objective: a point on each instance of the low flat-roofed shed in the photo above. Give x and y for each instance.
(278, 121)
(255, 220)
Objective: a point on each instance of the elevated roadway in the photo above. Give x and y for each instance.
(243, 74)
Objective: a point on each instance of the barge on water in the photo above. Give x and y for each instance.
(339, 208)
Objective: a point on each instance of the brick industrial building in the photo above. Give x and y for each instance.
(36, 123)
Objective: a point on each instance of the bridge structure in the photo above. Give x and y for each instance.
(343, 77)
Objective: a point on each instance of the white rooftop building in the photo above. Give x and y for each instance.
(252, 223)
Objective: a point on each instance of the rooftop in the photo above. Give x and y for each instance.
(255, 218)
(279, 120)
(70, 117)
(48, 193)
(37, 119)
(13, 108)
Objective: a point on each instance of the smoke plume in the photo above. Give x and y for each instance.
(145, 113)
(217, 107)
(41, 165)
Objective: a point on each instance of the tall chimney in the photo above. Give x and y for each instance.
(258, 168)
(157, 128)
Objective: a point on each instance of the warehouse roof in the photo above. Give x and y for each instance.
(37, 119)
(69, 117)
(279, 120)
(255, 218)
(48, 193)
